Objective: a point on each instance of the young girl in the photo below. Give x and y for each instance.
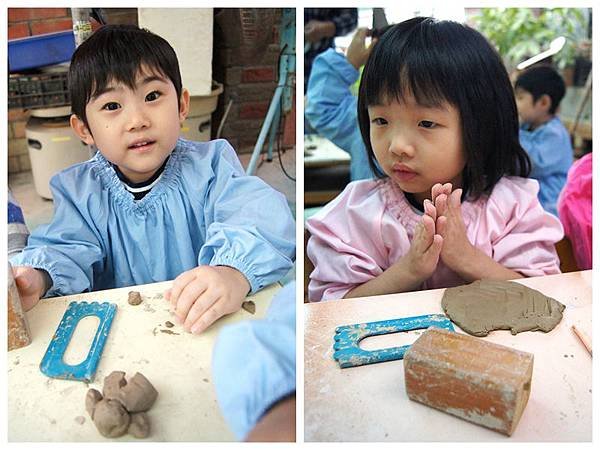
(452, 205)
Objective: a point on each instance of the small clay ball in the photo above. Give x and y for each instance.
(134, 298)
(91, 399)
(111, 419)
(140, 425)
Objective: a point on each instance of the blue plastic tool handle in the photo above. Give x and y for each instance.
(53, 364)
(347, 337)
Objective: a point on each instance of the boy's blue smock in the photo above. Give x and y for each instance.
(549, 148)
(254, 363)
(203, 211)
(331, 109)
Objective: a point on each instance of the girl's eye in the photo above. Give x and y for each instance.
(427, 124)
(111, 106)
(379, 121)
(154, 95)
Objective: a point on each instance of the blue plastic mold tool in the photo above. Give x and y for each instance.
(53, 365)
(347, 338)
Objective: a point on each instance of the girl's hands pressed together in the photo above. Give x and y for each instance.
(451, 226)
(425, 248)
(202, 295)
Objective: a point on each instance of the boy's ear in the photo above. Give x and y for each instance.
(545, 102)
(184, 105)
(81, 130)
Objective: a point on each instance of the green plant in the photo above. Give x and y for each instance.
(519, 33)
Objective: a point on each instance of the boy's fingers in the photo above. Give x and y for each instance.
(22, 282)
(200, 306)
(179, 285)
(210, 316)
(187, 298)
(167, 294)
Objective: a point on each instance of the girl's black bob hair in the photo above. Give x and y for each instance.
(116, 53)
(447, 62)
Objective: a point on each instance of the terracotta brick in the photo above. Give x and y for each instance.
(18, 129)
(17, 31)
(256, 110)
(51, 26)
(13, 164)
(258, 74)
(25, 163)
(22, 14)
(15, 114)
(485, 383)
(17, 147)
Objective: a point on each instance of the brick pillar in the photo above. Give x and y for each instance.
(249, 76)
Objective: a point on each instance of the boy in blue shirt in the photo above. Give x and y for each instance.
(538, 92)
(149, 206)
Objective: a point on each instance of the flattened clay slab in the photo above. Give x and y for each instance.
(485, 306)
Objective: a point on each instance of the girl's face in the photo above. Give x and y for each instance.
(417, 146)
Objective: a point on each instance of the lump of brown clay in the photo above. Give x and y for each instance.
(139, 426)
(134, 298)
(485, 305)
(113, 384)
(249, 306)
(111, 419)
(138, 395)
(91, 399)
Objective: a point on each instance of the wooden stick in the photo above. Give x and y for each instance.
(584, 340)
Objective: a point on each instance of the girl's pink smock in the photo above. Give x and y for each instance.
(370, 226)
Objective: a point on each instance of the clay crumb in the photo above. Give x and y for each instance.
(205, 380)
(168, 332)
(249, 306)
(80, 420)
(134, 298)
(169, 324)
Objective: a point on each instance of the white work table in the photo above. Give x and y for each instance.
(177, 363)
(369, 403)
(321, 152)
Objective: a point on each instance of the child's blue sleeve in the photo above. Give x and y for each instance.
(68, 248)
(254, 363)
(549, 148)
(250, 224)
(331, 108)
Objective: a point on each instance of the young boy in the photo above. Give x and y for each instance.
(538, 93)
(148, 206)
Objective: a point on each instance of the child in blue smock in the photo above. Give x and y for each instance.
(149, 206)
(538, 92)
(330, 106)
(254, 371)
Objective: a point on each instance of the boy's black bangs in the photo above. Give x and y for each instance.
(403, 68)
(122, 65)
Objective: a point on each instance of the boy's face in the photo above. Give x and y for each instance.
(135, 129)
(531, 112)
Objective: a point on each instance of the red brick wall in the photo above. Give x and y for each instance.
(249, 79)
(23, 22)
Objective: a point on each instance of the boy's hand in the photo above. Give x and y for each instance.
(425, 248)
(202, 295)
(451, 226)
(30, 284)
(357, 53)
